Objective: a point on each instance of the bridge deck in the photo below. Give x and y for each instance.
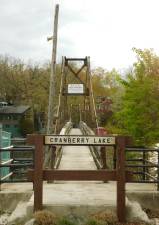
(76, 157)
(80, 198)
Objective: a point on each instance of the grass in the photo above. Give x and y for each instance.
(65, 221)
(103, 218)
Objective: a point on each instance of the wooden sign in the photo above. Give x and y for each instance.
(78, 140)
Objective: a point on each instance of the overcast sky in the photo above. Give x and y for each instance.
(105, 30)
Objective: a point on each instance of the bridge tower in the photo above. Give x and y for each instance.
(80, 86)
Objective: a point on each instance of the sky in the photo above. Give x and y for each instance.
(105, 30)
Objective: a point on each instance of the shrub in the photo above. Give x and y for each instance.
(44, 218)
(108, 217)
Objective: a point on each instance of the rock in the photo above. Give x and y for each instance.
(19, 214)
(156, 221)
(4, 219)
(135, 212)
(30, 222)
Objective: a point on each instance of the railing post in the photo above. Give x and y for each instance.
(12, 169)
(53, 156)
(104, 159)
(158, 171)
(120, 141)
(52, 163)
(144, 163)
(38, 172)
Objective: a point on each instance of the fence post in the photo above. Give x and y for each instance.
(104, 160)
(158, 171)
(120, 141)
(38, 172)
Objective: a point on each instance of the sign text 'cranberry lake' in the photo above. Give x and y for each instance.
(78, 140)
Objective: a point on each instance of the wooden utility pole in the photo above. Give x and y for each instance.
(51, 106)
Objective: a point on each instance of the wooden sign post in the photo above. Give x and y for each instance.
(120, 175)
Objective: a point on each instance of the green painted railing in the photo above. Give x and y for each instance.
(5, 141)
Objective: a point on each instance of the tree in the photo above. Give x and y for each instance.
(106, 84)
(139, 113)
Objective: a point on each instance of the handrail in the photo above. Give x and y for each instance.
(95, 151)
(17, 149)
(152, 177)
(18, 140)
(136, 148)
(58, 150)
(6, 162)
(15, 163)
(144, 165)
(7, 176)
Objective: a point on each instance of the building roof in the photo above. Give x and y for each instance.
(14, 109)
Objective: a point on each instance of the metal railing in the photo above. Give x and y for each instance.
(98, 152)
(58, 151)
(18, 141)
(143, 168)
(21, 159)
(5, 139)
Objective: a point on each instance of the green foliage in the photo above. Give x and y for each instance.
(65, 221)
(94, 222)
(26, 84)
(106, 83)
(27, 126)
(135, 97)
(139, 112)
(23, 84)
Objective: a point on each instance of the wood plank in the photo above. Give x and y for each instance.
(78, 175)
(121, 178)
(75, 59)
